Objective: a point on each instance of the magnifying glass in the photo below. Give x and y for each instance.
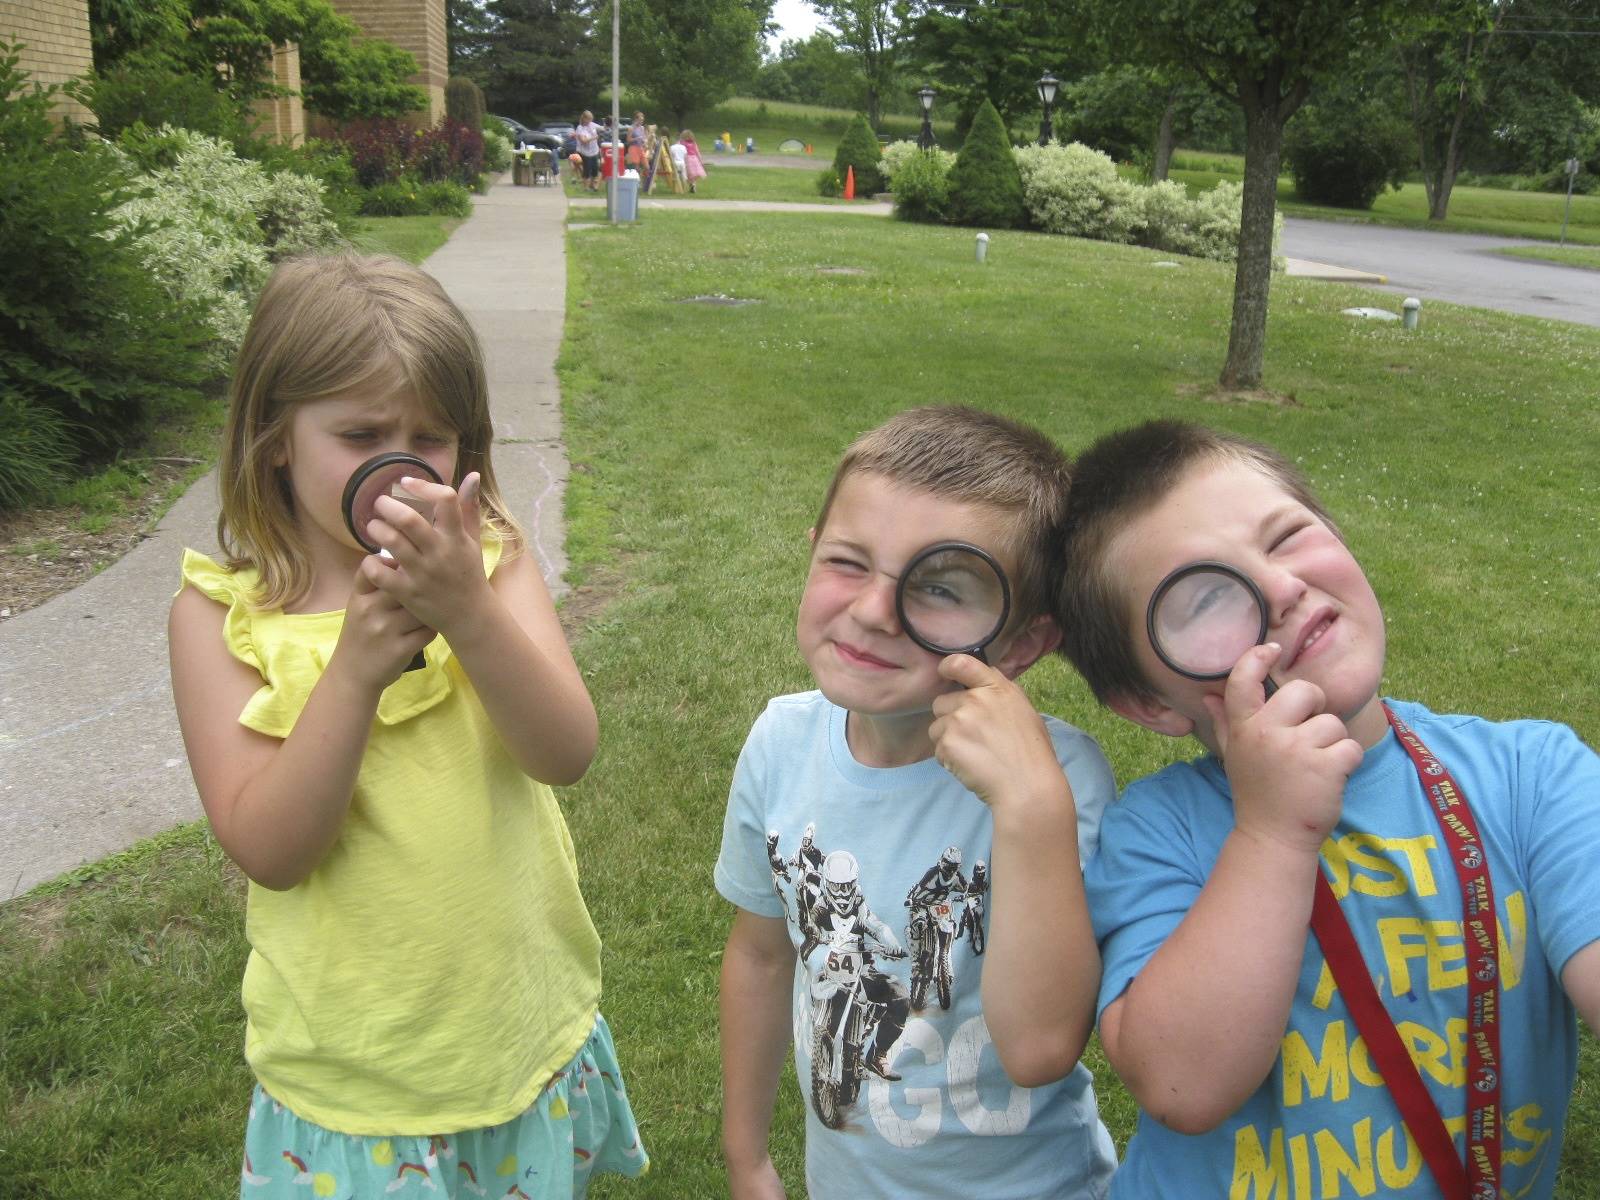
(381, 476)
(1202, 619)
(953, 598)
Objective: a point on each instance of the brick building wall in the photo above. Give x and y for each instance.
(417, 26)
(283, 118)
(56, 46)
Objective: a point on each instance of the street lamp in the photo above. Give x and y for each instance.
(1047, 97)
(925, 138)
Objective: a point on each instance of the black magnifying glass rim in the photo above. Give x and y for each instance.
(976, 648)
(365, 472)
(1212, 567)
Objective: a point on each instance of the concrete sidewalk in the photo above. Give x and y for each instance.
(90, 755)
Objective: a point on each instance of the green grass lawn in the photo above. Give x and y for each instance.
(410, 238)
(120, 1064)
(1571, 256)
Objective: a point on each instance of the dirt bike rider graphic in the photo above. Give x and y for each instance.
(807, 866)
(972, 910)
(932, 927)
(843, 923)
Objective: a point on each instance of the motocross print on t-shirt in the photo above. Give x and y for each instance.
(882, 877)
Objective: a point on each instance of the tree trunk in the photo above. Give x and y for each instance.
(1163, 159)
(1252, 277)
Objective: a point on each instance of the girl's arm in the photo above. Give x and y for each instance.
(517, 657)
(503, 629)
(276, 806)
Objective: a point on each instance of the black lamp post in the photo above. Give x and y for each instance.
(925, 138)
(1047, 97)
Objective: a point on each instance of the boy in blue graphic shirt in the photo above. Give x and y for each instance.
(932, 1064)
(1217, 1006)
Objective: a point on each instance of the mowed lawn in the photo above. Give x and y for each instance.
(1458, 460)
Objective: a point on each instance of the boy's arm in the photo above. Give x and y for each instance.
(757, 977)
(1199, 1027)
(1042, 968)
(1581, 979)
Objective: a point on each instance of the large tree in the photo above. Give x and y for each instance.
(688, 55)
(1265, 55)
(871, 30)
(539, 59)
(995, 50)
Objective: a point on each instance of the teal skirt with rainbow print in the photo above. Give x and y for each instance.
(579, 1126)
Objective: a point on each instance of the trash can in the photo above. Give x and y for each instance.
(625, 197)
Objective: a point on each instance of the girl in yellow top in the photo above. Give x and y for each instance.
(423, 984)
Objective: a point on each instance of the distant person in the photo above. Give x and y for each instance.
(680, 160)
(638, 139)
(374, 739)
(587, 135)
(696, 168)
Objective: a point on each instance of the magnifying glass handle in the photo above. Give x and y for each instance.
(1270, 687)
(417, 663)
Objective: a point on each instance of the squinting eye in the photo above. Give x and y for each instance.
(357, 435)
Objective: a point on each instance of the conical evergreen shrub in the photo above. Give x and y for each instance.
(985, 188)
(463, 101)
(859, 149)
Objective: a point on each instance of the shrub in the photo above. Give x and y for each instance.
(858, 148)
(328, 163)
(1205, 226)
(450, 150)
(1074, 190)
(985, 188)
(829, 183)
(86, 334)
(35, 450)
(231, 219)
(1346, 153)
(411, 197)
(898, 154)
(922, 186)
(134, 93)
(463, 102)
(496, 147)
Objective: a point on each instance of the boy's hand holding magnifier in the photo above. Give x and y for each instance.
(953, 599)
(1287, 760)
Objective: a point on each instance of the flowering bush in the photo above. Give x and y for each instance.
(213, 223)
(384, 150)
(922, 186)
(496, 148)
(898, 154)
(1206, 226)
(1074, 190)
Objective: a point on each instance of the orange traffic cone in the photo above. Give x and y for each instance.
(850, 183)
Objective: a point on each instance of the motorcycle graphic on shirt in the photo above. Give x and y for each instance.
(932, 930)
(857, 1011)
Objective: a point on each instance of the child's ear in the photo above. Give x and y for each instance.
(1154, 714)
(1038, 638)
(811, 536)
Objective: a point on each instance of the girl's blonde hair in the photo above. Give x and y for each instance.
(324, 326)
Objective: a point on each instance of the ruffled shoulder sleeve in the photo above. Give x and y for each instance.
(232, 588)
(290, 650)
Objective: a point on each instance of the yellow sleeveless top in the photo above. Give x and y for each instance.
(438, 966)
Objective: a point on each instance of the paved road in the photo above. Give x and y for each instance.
(1459, 267)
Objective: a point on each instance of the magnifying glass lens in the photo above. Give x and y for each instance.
(953, 600)
(381, 476)
(1205, 621)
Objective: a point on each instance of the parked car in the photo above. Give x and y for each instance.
(521, 135)
(559, 128)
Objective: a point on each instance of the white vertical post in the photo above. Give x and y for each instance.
(616, 105)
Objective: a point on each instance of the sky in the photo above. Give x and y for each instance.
(794, 18)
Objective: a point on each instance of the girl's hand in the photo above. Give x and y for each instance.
(380, 637)
(989, 736)
(1287, 758)
(437, 572)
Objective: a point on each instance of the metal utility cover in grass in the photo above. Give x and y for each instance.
(725, 301)
(841, 271)
(1371, 314)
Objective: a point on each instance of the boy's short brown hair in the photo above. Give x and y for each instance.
(975, 457)
(1116, 480)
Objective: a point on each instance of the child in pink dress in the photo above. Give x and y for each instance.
(696, 168)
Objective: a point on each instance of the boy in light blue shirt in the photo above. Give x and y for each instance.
(903, 846)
